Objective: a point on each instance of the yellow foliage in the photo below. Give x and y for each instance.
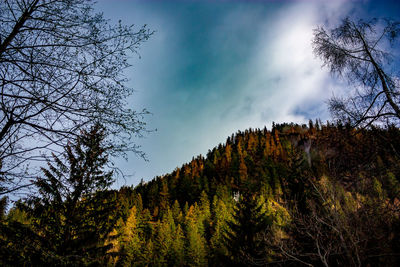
(279, 213)
(228, 153)
(130, 224)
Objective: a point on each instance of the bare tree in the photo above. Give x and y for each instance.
(339, 228)
(61, 70)
(364, 54)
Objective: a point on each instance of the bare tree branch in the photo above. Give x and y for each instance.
(356, 52)
(61, 70)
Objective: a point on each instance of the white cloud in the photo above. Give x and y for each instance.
(286, 73)
(278, 79)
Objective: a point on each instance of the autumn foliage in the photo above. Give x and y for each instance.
(316, 195)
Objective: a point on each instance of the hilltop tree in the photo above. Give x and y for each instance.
(61, 70)
(360, 52)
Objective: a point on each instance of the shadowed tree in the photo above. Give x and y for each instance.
(61, 69)
(364, 54)
(73, 211)
(3, 208)
(245, 233)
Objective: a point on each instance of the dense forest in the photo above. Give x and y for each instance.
(316, 195)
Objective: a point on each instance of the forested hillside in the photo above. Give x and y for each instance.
(324, 195)
(293, 195)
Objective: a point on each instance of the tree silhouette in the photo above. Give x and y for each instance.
(360, 52)
(72, 210)
(244, 238)
(61, 70)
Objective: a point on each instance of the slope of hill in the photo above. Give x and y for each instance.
(295, 195)
(315, 195)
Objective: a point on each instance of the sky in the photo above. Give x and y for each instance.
(215, 67)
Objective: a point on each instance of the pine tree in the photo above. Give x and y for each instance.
(178, 248)
(164, 239)
(163, 198)
(204, 216)
(244, 237)
(221, 217)
(196, 244)
(73, 211)
(148, 255)
(129, 240)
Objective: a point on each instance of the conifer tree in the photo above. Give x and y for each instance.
(204, 213)
(164, 198)
(244, 238)
(148, 254)
(129, 240)
(196, 244)
(72, 210)
(177, 213)
(221, 217)
(178, 248)
(164, 239)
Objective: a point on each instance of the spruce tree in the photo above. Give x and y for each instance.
(129, 243)
(244, 237)
(164, 239)
(178, 248)
(72, 209)
(221, 217)
(196, 250)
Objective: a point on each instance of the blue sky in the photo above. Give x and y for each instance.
(215, 67)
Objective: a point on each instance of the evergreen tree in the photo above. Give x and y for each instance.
(221, 217)
(164, 239)
(244, 237)
(148, 255)
(72, 210)
(163, 198)
(196, 244)
(204, 216)
(178, 248)
(177, 212)
(129, 240)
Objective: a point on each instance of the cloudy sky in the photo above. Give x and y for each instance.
(215, 67)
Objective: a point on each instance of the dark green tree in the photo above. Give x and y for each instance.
(20, 246)
(245, 235)
(72, 210)
(3, 207)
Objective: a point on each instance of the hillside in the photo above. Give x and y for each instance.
(316, 194)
